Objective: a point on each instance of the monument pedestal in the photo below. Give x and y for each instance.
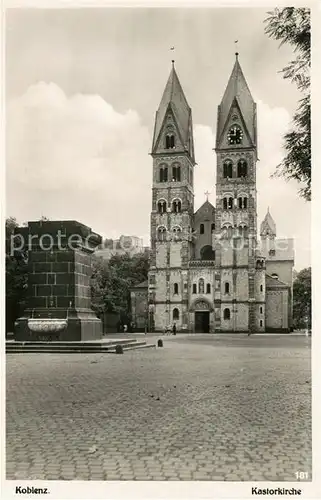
(79, 325)
(59, 297)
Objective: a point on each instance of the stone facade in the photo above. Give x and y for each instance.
(59, 259)
(208, 270)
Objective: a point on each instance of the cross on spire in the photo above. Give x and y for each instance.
(173, 49)
(207, 193)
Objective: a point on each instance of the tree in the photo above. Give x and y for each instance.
(16, 277)
(111, 282)
(292, 25)
(302, 299)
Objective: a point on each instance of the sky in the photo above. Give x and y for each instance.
(82, 89)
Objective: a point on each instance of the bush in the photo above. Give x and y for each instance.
(119, 349)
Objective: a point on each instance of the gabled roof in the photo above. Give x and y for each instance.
(268, 226)
(207, 209)
(237, 90)
(174, 100)
(274, 282)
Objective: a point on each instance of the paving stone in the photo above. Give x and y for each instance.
(218, 424)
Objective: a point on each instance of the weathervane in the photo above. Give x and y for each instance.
(236, 47)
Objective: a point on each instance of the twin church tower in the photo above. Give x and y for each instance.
(208, 272)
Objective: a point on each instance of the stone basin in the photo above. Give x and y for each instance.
(47, 325)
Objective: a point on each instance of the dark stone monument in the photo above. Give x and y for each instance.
(59, 298)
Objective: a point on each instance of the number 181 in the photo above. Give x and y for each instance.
(301, 475)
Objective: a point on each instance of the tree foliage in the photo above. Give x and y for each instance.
(292, 25)
(111, 282)
(302, 299)
(16, 277)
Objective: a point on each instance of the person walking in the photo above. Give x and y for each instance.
(174, 329)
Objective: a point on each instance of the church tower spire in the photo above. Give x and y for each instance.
(268, 227)
(173, 115)
(237, 98)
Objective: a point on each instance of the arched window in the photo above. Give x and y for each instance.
(228, 203)
(176, 233)
(161, 232)
(261, 288)
(194, 288)
(213, 227)
(207, 253)
(170, 141)
(163, 173)
(241, 168)
(177, 206)
(261, 322)
(229, 232)
(227, 314)
(242, 202)
(228, 169)
(208, 288)
(175, 288)
(201, 285)
(176, 173)
(261, 310)
(224, 232)
(202, 229)
(243, 231)
(175, 313)
(226, 287)
(162, 206)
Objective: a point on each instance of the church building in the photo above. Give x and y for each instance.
(209, 270)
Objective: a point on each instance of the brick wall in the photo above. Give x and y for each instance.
(59, 279)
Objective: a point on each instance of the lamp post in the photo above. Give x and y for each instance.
(308, 313)
(150, 317)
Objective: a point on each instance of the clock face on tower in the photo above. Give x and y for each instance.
(235, 135)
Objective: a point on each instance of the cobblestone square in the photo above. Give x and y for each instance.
(222, 407)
